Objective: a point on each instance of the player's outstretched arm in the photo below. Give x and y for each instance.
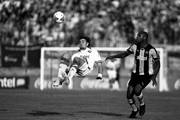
(120, 55)
(156, 67)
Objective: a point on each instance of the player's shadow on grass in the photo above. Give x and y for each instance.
(103, 113)
(3, 110)
(47, 113)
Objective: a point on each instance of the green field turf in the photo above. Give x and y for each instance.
(83, 105)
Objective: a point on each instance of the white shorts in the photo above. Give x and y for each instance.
(84, 70)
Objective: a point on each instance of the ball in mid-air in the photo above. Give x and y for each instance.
(59, 16)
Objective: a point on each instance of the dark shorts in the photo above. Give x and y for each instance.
(142, 80)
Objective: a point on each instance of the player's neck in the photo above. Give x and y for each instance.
(143, 45)
(83, 48)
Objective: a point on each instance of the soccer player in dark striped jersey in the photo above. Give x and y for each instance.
(146, 68)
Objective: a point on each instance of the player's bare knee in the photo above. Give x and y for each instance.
(137, 92)
(130, 92)
(131, 101)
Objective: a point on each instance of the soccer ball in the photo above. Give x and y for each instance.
(59, 16)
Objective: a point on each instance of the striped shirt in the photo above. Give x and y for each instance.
(144, 59)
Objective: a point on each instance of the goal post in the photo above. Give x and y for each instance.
(50, 58)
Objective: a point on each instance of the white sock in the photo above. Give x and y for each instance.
(72, 72)
(70, 86)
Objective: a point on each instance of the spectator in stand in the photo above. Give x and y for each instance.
(158, 16)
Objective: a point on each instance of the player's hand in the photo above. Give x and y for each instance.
(154, 82)
(99, 77)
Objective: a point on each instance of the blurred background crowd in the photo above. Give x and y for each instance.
(110, 23)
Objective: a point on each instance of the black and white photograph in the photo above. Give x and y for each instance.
(89, 59)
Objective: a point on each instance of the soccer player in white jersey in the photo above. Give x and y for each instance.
(146, 68)
(82, 62)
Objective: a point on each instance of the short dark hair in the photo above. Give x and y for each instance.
(87, 40)
(144, 33)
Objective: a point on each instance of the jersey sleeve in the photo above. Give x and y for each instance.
(132, 48)
(153, 52)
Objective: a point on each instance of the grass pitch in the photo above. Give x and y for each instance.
(84, 105)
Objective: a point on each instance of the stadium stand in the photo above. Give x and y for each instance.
(109, 23)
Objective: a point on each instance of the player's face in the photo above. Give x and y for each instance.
(83, 44)
(140, 37)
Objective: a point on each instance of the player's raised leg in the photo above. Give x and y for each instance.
(78, 66)
(62, 74)
(69, 78)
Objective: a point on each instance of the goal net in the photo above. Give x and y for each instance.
(120, 69)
